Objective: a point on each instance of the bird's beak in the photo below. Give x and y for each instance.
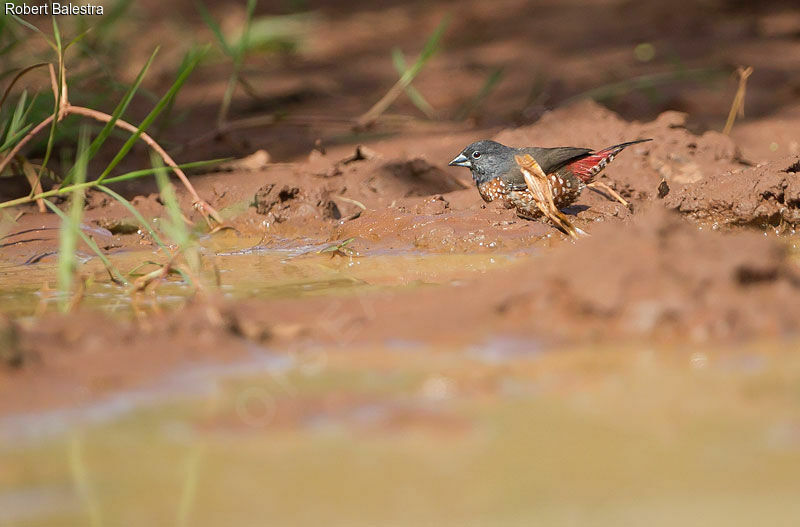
(460, 161)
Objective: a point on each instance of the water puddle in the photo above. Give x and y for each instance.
(246, 270)
(435, 437)
(496, 432)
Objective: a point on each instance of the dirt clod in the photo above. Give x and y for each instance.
(660, 275)
(757, 196)
(273, 199)
(119, 225)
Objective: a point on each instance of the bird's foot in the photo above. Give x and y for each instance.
(610, 191)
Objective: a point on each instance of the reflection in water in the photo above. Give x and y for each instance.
(194, 382)
(246, 272)
(433, 437)
(497, 433)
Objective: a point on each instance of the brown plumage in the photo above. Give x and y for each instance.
(568, 170)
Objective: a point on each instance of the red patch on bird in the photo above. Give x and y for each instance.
(588, 167)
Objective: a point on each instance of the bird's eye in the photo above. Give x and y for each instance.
(476, 155)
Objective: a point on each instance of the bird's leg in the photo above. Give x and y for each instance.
(542, 192)
(562, 224)
(611, 191)
(567, 226)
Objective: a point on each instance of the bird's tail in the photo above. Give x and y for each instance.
(588, 167)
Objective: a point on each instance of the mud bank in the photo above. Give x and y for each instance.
(687, 262)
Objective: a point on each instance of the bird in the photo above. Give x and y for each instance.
(498, 174)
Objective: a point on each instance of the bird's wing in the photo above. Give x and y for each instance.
(550, 159)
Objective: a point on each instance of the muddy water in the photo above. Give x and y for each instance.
(498, 432)
(414, 436)
(241, 268)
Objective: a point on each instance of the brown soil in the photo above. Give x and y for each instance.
(659, 276)
(764, 195)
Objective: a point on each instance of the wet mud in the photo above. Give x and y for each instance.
(694, 257)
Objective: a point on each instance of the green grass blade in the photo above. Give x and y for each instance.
(491, 82)
(431, 45)
(166, 115)
(16, 117)
(68, 234)
(116, 179)
(174, 89)
(175, 227)
(92, 245)
(188, 495)
(149, 171)
(248, 21)
(50, 141)
(29, 108)
(238, 60)
(34, 28)
(399, 61)
(57, 103)
(118, 112)
(11, 141)
(77, 39)
(143, 222)
(14, 125)
(82, 482)
(214, 27)
(57, 36)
